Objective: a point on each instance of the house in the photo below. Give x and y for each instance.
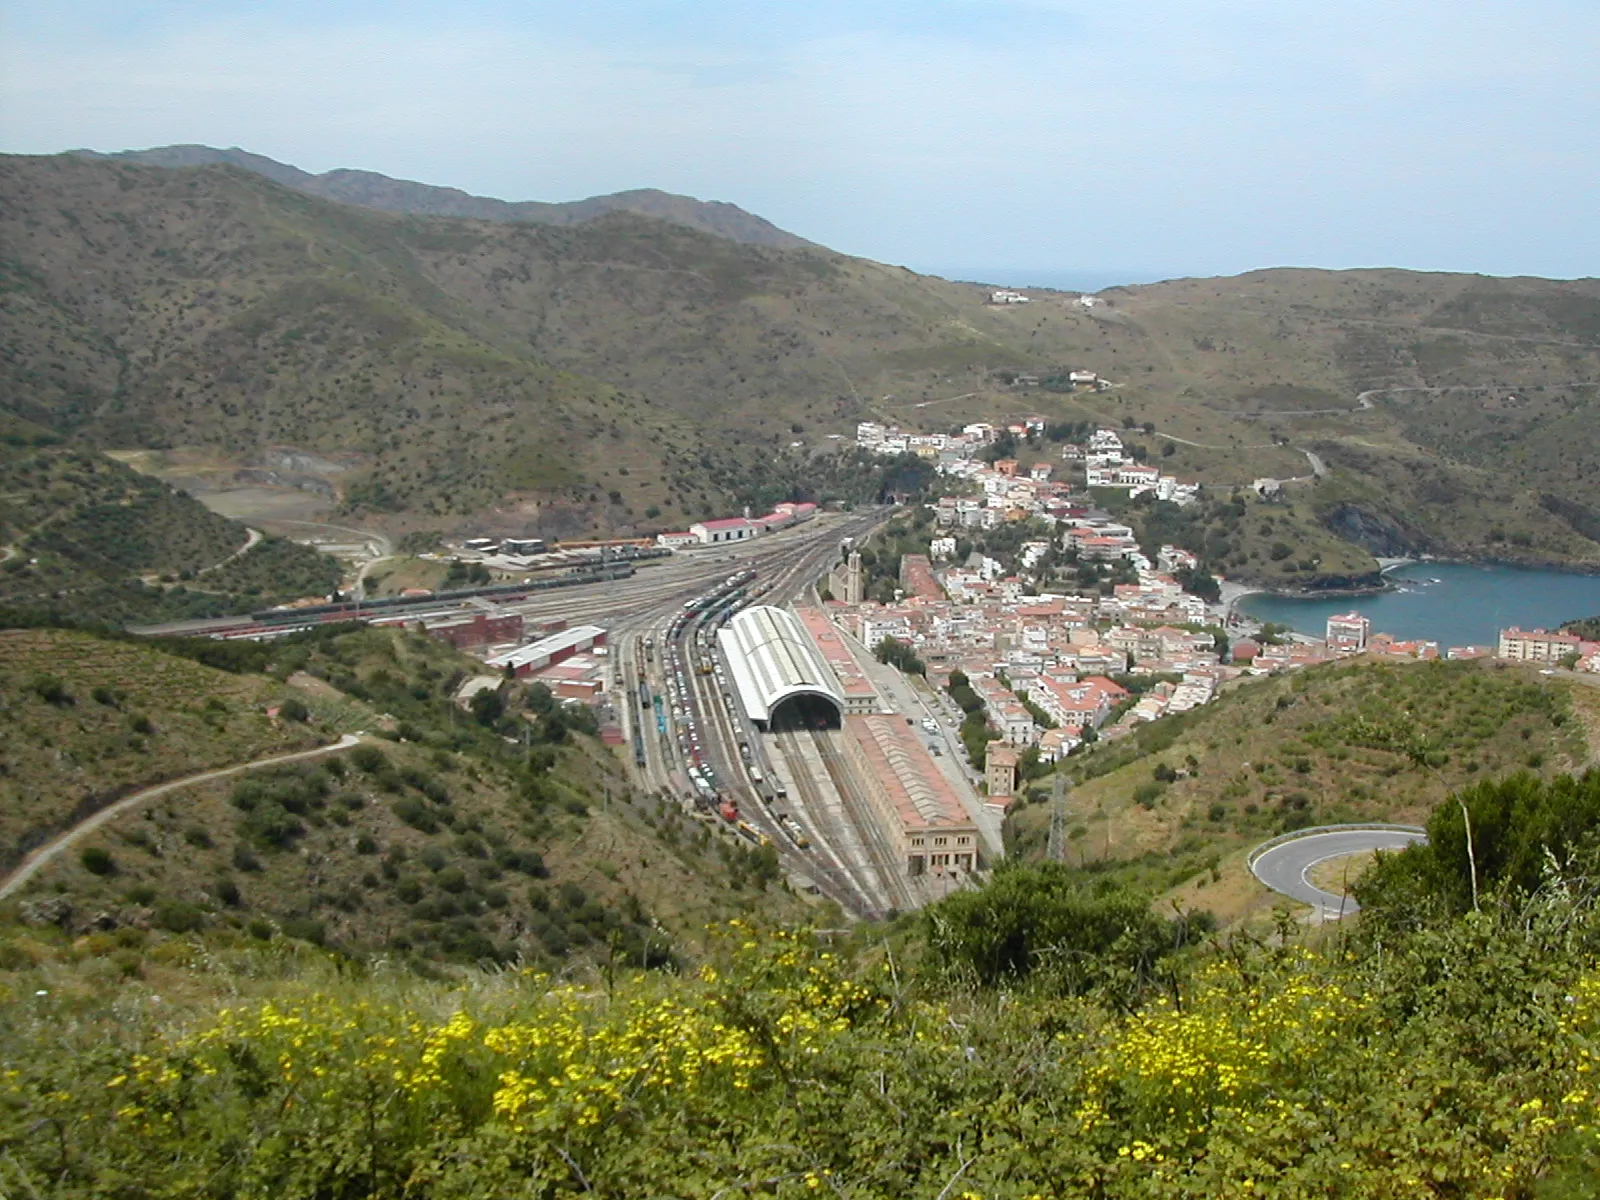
(674, 541)
(1005, 296)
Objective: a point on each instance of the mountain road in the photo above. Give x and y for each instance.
(1286, 867)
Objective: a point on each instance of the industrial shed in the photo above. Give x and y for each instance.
(781, 678)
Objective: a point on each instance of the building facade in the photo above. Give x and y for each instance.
(1537, 645)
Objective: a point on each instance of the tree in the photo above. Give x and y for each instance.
(900, 655)
(488, 706)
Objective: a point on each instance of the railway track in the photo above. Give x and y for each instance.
(881, 853)
(828, 821)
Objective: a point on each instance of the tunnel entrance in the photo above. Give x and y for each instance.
(805, 710)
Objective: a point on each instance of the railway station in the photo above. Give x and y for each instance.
(781, 680)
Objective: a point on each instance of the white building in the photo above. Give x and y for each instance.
(728, 529)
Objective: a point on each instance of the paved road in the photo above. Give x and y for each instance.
(45, 853)
(1286, 867)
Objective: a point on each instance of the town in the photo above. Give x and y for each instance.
(876, 729)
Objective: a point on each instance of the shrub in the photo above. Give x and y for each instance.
(98, 861)
(369, 759)
(177, 916)
(433, 858)
(244, 860)
(51, 690)
(416, 814)
(294, 709)
(306, 929)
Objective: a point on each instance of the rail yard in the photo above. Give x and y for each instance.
(785, 772)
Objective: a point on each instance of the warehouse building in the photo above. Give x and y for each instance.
(728, 529)
(536, 656)
(781, 679)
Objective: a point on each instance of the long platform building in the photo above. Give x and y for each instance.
(915, 803)
(782, 680)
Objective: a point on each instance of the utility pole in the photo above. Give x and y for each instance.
(1056, 849)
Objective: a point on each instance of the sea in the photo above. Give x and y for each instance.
(1454, 604)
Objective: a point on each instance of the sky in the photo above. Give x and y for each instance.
(1012, 140)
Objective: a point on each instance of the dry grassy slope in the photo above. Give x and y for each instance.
(58, 757)
(456, 360)
(1289, 752)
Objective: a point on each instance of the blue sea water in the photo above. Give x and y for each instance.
(1454, 604)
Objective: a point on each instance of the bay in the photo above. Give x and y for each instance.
(1454, 604)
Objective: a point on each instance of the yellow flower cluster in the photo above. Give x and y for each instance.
(1177, 1064)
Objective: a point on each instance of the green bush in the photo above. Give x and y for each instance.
(178, 916)
(98, 861)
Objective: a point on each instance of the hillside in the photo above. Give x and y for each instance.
(372, 190)
(84, 535)
(1178, 803)
(627, 372)
(1045, 1036)
(441, 843)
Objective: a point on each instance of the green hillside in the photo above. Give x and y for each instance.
(585, 377)
(81, 534)
(87, 720)
(451, 840)
(1178, 803)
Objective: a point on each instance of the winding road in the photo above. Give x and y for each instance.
(1286, 866)
(65, 841)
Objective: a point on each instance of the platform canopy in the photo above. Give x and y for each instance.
(777, 670)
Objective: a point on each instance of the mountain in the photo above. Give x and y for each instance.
(372, 190)
(627, 372)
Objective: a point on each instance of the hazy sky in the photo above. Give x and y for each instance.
(1148, 137)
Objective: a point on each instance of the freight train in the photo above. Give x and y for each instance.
(279, 620)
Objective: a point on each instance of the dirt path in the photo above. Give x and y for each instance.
(249, 544)
(64, 841)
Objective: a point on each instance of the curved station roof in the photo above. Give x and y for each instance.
(772, 660)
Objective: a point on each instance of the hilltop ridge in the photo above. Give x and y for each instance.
(370, 189)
